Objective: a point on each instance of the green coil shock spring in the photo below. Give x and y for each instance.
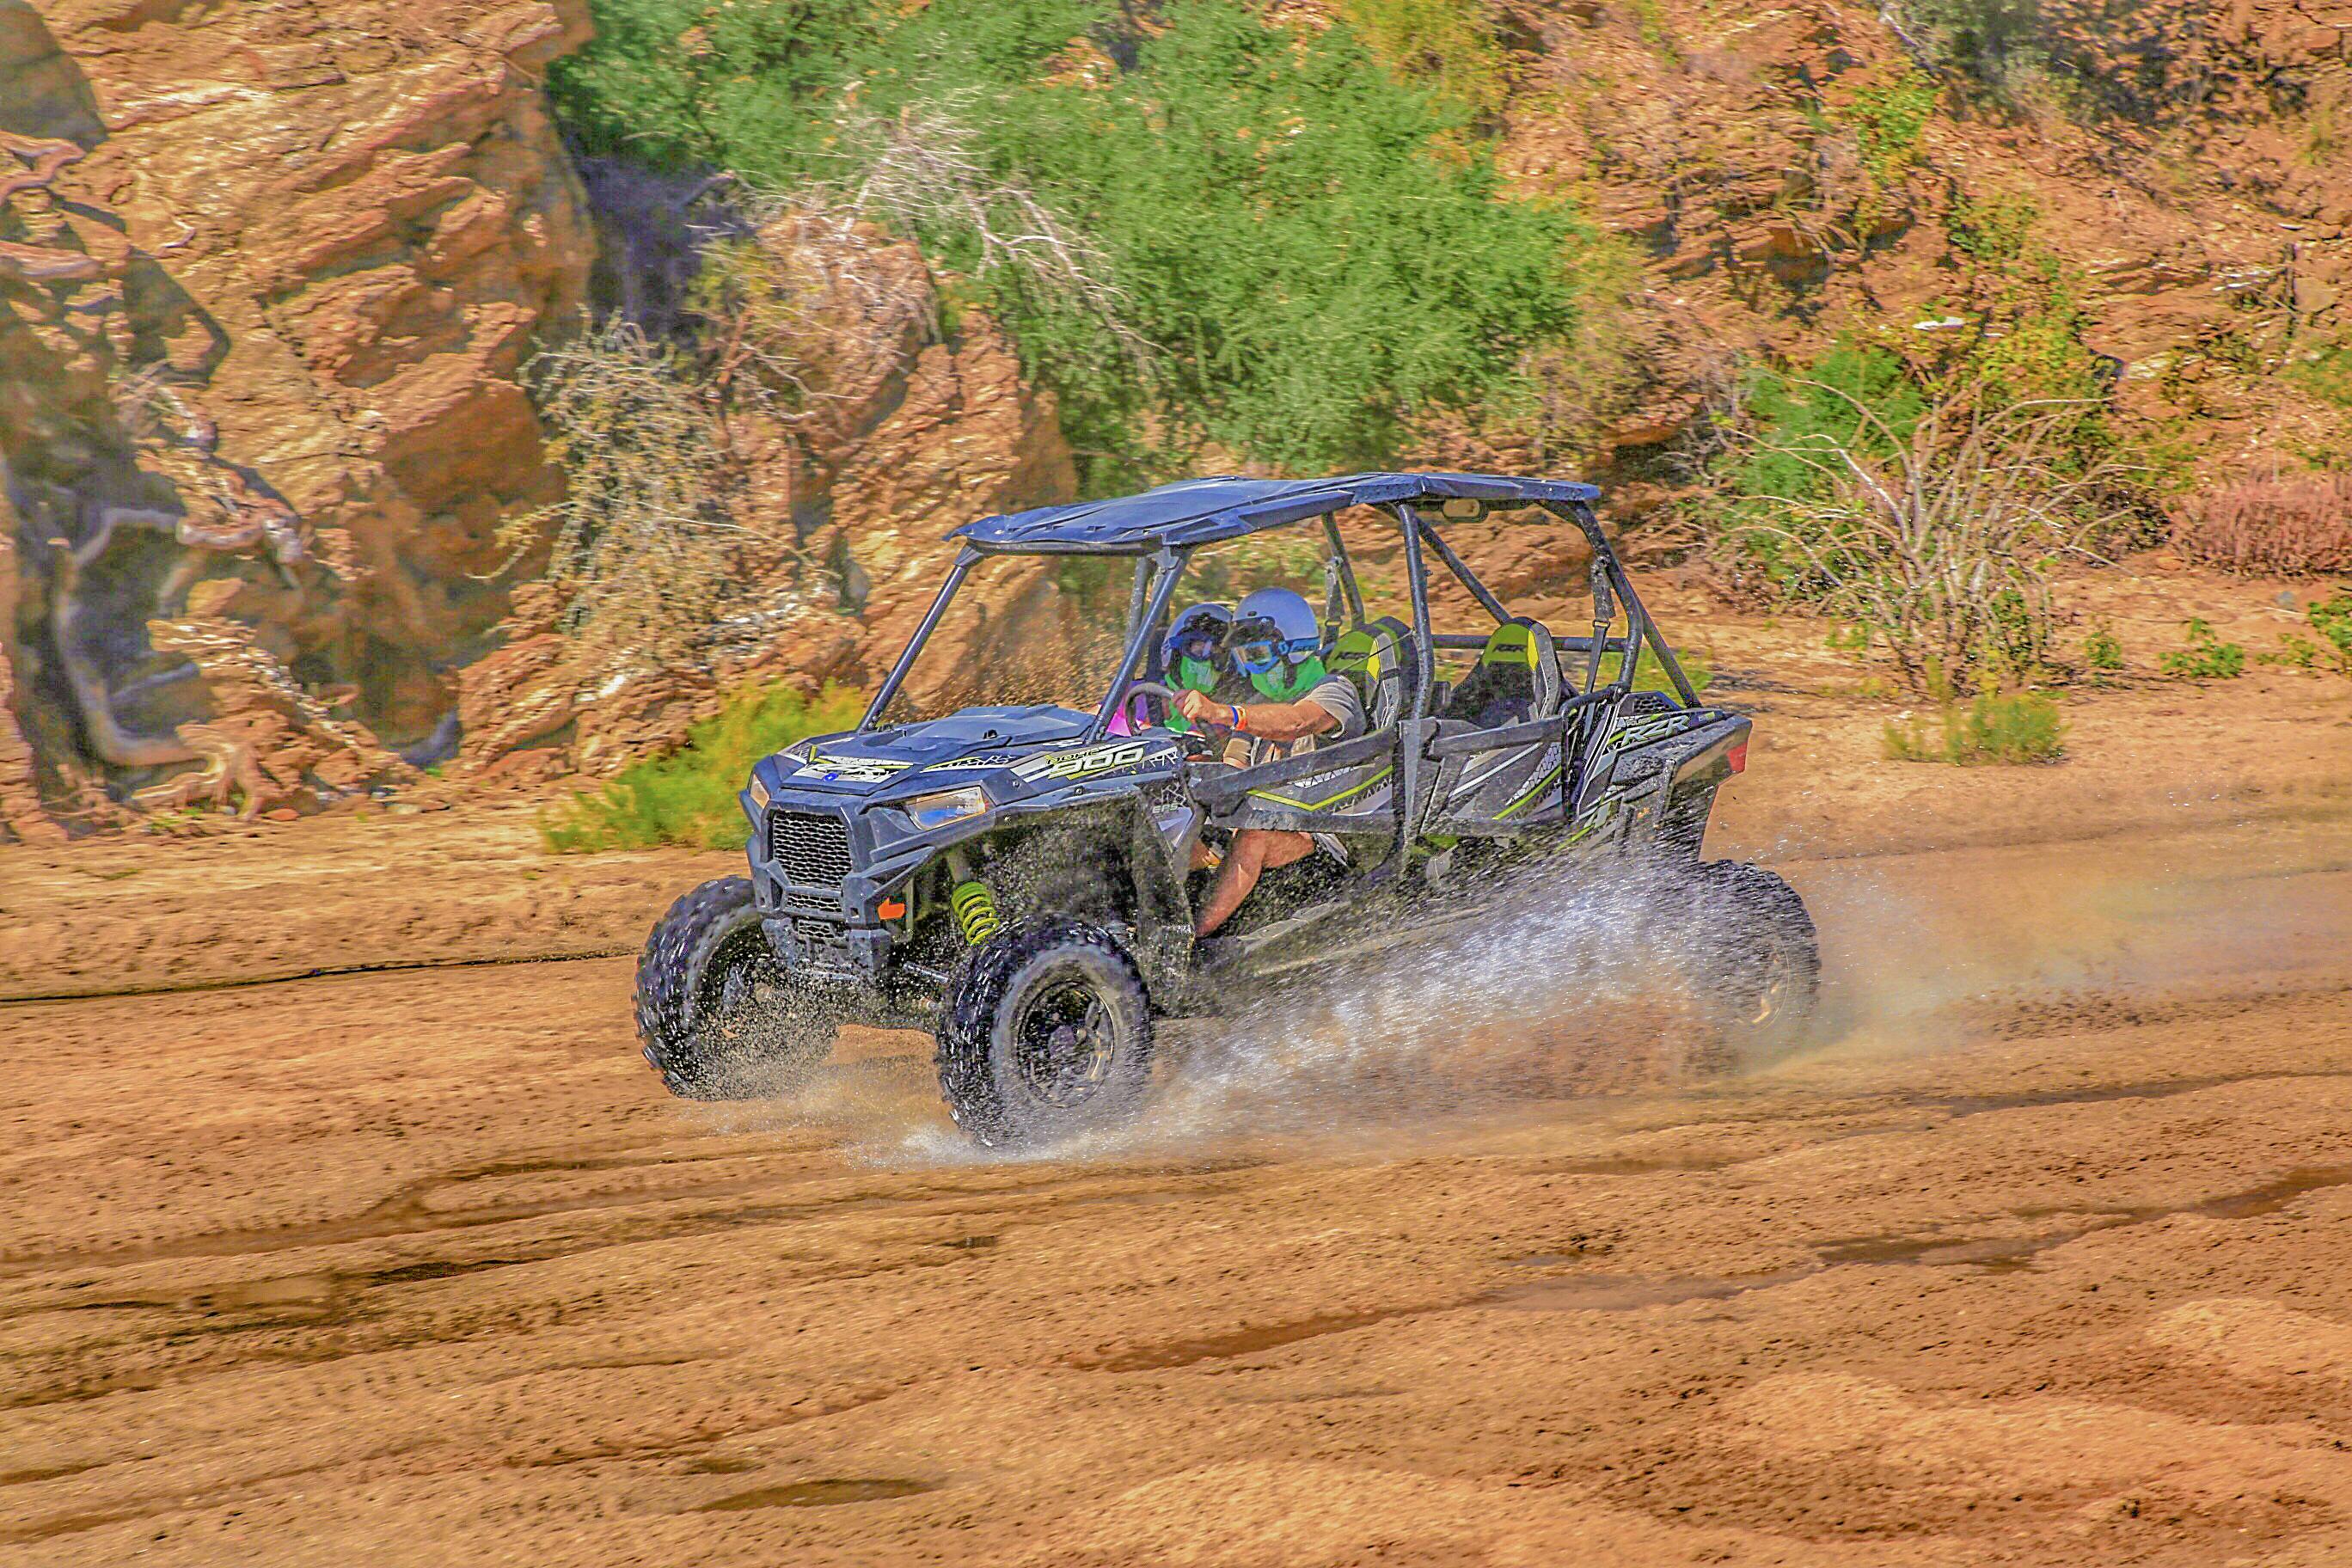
(975, 911)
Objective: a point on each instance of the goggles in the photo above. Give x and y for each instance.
(1196, 644)
(1262, 656)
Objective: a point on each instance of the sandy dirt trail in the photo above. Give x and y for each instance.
(2040, 1255)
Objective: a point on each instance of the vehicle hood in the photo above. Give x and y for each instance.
(877, 761)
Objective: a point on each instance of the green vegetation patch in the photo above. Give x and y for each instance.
(1995, 727)
(1447, 47)
(2331, 618)
(2324, 373)
(688, 797)
(1889, 116)
(1303, 230)
(2206, 656)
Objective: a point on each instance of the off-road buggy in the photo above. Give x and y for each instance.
(1018, 880)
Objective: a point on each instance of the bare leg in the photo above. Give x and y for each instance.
(1254, 850)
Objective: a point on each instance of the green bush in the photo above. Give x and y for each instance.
(1315, 246)
(2206, 658)
(2103, 651)
(688, 797)
(1996, 727)
(1889, 118)
(2332, 618)
(1793, 412)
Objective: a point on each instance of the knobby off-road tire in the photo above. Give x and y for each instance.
(717, 1011)
(1044, 1032)
(1761, 965)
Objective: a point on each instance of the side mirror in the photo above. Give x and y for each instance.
(1461, 509)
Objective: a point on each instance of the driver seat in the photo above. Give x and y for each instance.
(1517, 679)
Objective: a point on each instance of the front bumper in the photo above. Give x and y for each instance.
(829, 950)
(831, 928)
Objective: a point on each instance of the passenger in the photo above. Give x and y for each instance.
(1192, 658)
(1275, 640)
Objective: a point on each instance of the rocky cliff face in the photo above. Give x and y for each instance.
(267, 274)
(2188, 167)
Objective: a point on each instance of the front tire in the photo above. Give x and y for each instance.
(1046, 1033)
(719, 1014)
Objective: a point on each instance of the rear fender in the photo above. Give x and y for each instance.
(1690, 772)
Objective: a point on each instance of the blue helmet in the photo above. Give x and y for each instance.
(1271, 627)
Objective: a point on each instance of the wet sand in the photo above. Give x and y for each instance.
(2037, 1255)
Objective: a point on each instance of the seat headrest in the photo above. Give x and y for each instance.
(1378, 656)
(1520, 644)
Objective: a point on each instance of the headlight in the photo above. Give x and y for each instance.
(759, 792)
(930, 811)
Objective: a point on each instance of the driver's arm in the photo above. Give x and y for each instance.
(1274, 720)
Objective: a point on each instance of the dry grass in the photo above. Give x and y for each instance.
(2283, 525)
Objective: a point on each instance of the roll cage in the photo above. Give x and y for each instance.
(1161, 529)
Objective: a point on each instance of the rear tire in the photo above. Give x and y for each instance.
(1045, 1033)
(718, 1013)
(1761, 972)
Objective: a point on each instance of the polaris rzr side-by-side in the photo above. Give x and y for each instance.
(1025, 881)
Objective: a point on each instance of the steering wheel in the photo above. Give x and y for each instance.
(1150, 689)
(1194, 742)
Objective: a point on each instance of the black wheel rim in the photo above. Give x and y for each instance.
(1777, 976)
(734, 994)
(1064, 1041)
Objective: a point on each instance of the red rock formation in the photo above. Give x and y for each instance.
(269, 272)
(903, 444)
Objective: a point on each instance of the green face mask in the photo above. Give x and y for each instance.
(1288, 684)
(1189, 675)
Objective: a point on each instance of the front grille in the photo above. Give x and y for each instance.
(809, 848)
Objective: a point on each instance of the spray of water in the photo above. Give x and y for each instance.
(1571, 990)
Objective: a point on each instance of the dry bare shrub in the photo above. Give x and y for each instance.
(924, 173)
(807, 317)
(664, 548)
(2283, 525)
(1940, 542)
(644, 548)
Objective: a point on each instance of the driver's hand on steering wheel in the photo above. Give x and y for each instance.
(1200, 708)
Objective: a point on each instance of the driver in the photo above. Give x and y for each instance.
(1275, 640)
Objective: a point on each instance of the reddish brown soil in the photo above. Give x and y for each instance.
(2035, 1255)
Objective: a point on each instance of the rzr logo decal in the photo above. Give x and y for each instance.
(1642, 733)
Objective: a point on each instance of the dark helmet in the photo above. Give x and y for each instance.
(1197, 637)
